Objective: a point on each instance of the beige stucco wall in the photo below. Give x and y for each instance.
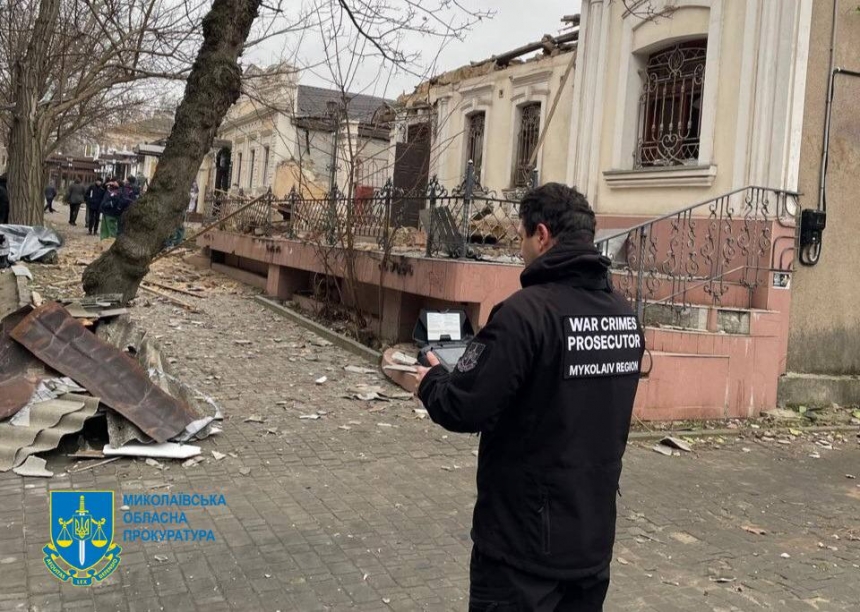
(754, 64)
(500, 93)
(824, 332)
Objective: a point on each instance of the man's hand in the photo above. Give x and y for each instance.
(422, 371)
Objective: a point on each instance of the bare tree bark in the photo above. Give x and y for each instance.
(214, 84)
(26, 173)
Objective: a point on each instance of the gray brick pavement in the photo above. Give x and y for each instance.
(341, 513)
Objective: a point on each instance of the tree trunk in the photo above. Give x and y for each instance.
(26, 167)
(26, 141)
(214, 84)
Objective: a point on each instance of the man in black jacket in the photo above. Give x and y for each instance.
(94, 196)
(549, 383)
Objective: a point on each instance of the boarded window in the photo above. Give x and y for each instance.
(670, 106)
(527, 139)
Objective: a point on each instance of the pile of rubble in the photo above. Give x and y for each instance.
(65, 365)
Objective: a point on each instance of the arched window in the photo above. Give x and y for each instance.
(670, 106)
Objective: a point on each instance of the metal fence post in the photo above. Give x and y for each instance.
(467, 205)
(640, 305)
(386, 190)
(535, 179)
(431, 196)
(292, 198)
(332, 216)
(270, 197)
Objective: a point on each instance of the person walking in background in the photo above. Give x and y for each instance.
(50, 194)
(4, 201)
(74, 198)
(111, 208)
(94, 196)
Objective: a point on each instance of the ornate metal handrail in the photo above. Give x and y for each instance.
(709, 247)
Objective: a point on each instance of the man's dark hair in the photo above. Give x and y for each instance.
(563, 210)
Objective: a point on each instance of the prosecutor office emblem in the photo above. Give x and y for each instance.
(470, 358)
(82, 549)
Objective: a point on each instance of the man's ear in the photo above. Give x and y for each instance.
(544, 235)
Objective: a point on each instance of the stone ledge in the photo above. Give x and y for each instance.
(795, 389)
(674, 176)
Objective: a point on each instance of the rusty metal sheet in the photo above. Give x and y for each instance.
(52, 335)
(14, 395)
(15, 360)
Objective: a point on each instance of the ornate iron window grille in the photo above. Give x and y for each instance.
(526, 143)
(670, 106)
(475, 141)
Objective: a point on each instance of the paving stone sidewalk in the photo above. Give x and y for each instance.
(368, 507)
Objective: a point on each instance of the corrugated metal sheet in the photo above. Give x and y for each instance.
(52, 335)
(69, 423)
(43, 415)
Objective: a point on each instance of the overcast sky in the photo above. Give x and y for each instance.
(516, 23)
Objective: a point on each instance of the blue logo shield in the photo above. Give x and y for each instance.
(82, 548)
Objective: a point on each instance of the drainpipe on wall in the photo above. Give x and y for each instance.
(812, 222)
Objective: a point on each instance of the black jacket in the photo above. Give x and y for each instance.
(549, 383)
(75, 193)
(94, 195)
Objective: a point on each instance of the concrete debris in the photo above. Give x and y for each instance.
(663, 450)
(33, 467)
(218, 456)
(153, 463)
(673, 442)
(254, 419)
(359, 370)
(321, 380)
(321, 342)
(193, 461)
(310, 417)
(782, 414)
(245, 471)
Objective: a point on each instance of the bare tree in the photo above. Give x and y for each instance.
(68, 64)
(213, 86)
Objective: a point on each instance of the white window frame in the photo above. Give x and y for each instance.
(629, 86)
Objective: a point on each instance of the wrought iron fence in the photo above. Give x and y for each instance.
(701, 253)
(465, 222)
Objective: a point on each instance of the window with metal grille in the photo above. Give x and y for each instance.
(253, 168)
(239, 170)
(475, 141)
(670, 106)
(265, 166)
(527, 140)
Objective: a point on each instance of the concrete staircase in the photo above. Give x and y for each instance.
(702, 281)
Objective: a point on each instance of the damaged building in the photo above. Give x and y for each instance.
(494, 113)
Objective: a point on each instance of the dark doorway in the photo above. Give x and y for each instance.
(412, 173)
